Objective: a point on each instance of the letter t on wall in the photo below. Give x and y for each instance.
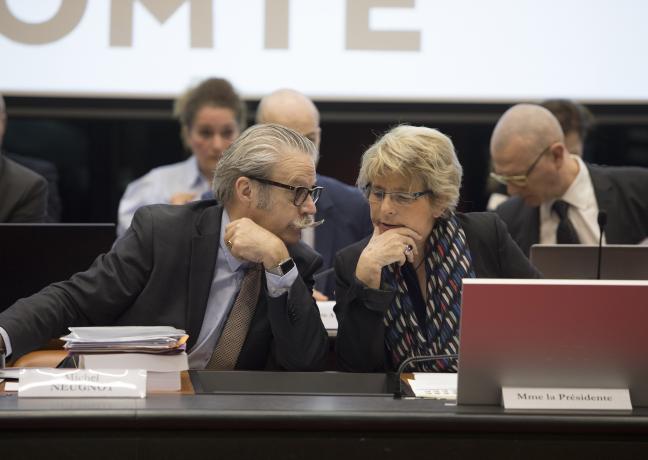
(360, 37)
(277, 13)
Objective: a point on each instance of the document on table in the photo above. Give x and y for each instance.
(435, 385)
(127, 339)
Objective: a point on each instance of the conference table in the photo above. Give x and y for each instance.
(299, 415)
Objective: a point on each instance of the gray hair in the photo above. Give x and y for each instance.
(254, 154)
(416, 152)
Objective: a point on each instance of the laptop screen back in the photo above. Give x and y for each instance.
(35, 255)
(552, 333)
(577, 261)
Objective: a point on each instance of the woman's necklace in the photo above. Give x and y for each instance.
(416, 267)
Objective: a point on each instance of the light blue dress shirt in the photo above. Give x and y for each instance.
(158, 186)
(228, 276)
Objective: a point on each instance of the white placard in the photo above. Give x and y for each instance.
(82, 383)
(566, 398)
(327, 314)
(434, 385)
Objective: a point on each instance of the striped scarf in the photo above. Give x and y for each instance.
(447, 262)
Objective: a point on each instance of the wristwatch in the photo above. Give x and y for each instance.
(282, 267)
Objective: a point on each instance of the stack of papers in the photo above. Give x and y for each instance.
(126, 339)
(160, 350)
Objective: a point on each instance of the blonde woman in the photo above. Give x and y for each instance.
(399, 290)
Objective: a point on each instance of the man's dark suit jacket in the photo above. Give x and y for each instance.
(621, 191)
(160, 273)
(360, 343)
(23, 193)
(346, 220)
(50, 173)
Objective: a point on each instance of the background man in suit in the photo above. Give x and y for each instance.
(23, 193)
(183, 265)
(576, 122)
(342, 207)
(556, 195)
(41, 167)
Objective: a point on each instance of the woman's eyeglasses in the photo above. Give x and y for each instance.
(376, 195)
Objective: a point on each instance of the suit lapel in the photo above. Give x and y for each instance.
(325, 238)
(529, 221)
(204, 249)
(605, 199)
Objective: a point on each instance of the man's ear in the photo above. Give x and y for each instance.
(558, 154)
(244, 190)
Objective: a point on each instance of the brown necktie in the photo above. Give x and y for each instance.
(229, 344)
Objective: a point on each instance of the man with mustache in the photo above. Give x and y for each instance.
(343, 208)
(198, 266)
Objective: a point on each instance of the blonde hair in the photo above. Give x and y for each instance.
(416, 152)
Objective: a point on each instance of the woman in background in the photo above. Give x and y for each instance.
(211, 116)
(399, 290)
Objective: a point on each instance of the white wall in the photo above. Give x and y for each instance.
(456, 50)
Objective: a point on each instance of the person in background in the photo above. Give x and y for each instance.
(23, 193)
(234, 275)
(399, 290)
(343, 209)
(576, 122)
(211, 117)
(556, 195)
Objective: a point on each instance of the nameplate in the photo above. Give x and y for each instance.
(566, 398)
(82, 383)
(327, 315)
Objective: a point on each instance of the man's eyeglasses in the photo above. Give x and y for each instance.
(375, 195)
(301, 193)
(521, 180)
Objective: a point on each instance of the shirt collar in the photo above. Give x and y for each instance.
(191, 173)
(577, 193)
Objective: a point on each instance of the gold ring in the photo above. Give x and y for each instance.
(228, 243)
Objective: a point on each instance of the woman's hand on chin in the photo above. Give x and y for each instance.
(397, 245)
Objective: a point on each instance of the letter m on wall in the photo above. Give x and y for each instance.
(200, 17)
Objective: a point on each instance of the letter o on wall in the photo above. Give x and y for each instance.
(62, 23)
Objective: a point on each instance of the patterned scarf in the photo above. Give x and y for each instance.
(447, 262)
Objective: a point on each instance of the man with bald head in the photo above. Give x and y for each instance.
(556, 196)
(343, 208)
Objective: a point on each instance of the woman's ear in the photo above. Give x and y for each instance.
(438, 211)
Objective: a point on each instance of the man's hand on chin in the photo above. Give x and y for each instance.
(249, 241)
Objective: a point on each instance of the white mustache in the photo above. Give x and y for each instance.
(307, 221)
